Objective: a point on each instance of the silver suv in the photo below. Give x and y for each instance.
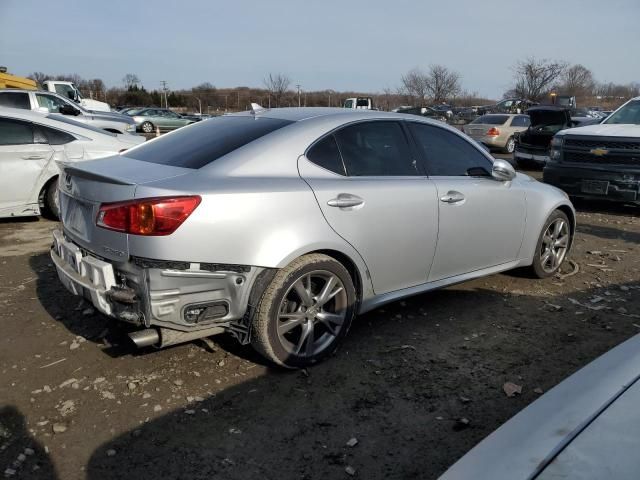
(52, 102)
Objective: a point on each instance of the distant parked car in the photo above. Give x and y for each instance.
(585, 428)
(30, 145)
(509, 105)
(280, 226)
(48, 102)
(444, 109)
(427, 112)
(148, 119)
(534, 144)
(497, 130)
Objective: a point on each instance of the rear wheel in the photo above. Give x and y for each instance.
(147, 127)
(52, 201)
(552, 246)
(510, 146)
(305, 312)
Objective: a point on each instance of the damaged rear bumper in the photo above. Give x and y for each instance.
(179, 296)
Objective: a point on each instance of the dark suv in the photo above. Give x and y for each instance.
(599, 161)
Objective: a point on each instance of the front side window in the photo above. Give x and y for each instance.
(66, 91)
(15, 132)
(375, 149)
(348, 104)
(325, 154)
(628, 114)
(15, 100)
(449, 154)
(50, 102)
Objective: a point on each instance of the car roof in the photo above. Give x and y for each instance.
(297, 114)
(20, 90)
(52, 120)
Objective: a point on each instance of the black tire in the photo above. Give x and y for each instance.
(147, 127)
(537, 268)
(51, 203)
(267, 322)
(510, 146)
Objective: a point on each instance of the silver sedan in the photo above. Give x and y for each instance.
(280, 226)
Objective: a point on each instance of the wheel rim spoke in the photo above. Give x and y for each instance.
(304, 291)
(333, 321)
(291, 321)
(329, 291)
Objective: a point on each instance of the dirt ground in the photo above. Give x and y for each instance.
(77, 401)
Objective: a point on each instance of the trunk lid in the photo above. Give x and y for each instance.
(85, 186)
(545, 123)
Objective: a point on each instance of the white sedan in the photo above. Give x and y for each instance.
(30, 145)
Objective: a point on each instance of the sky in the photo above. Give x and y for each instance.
(342, 45)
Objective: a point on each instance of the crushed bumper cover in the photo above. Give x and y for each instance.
(158, 296)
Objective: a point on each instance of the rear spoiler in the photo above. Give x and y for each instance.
(78, 172)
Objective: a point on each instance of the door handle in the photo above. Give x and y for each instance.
(345, 200)
(33, 157)
(452, 197)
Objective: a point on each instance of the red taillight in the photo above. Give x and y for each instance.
(147, 216)
(493, 132)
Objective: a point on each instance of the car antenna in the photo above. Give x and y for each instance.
(257, 108)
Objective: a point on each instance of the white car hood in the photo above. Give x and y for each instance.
(605, 130)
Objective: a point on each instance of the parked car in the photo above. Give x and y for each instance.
(585, 428)
(359, 103)
(599, 161)
(443, 109)
(427, 112)
(509, 105)
(534, 144)
(53, 103)
(497, 130)
(148, 119)
(30, 145)
(279, 226)
(70, 91)
(463, 115)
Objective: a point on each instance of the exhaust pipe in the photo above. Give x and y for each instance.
(144, 338)
(163, 337)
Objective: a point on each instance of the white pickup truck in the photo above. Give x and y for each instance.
(69, 90)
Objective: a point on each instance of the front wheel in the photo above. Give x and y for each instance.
(147, 127)
(305, 312)
(553, 245)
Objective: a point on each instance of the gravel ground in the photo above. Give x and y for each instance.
(77, 401)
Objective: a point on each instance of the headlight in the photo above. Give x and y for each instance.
(131, 128)
(556, 142)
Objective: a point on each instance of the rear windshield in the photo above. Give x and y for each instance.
(491, 119)
(204, 142)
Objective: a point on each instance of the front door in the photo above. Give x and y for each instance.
(372, 193)
(481, 220)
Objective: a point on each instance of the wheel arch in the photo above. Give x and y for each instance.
(44, 188)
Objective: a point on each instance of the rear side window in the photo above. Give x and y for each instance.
(325, 154)
(15, 100)
(205, 142)
(448, 154)
(54, 136)
(520, 121)
(15, 132)
(375, 149)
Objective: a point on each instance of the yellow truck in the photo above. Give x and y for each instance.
(12, 81)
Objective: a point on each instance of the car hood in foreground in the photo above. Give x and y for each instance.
(607, 130)
(527, 444)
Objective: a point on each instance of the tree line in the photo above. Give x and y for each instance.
(533, 79)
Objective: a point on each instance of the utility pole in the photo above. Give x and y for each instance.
(164, 90)
(298, 94)
(238, 100)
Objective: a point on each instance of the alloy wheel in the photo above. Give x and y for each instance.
(555, 243)
(312, 313)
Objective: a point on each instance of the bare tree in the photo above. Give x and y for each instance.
(277, 85)
(414, 85)
(130, 80)
(534, 78)
(442, 83)
(39, 77)
(577, 80)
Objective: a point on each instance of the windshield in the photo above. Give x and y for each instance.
(491, 119)
(63, 119)
(628, 114)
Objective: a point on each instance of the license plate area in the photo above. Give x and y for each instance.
(596, 187)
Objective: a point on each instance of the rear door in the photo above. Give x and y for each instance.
(22, 162)
(374, 195)
(481, 220)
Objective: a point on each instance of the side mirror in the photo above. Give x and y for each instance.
(503, 171)
(69, 110)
